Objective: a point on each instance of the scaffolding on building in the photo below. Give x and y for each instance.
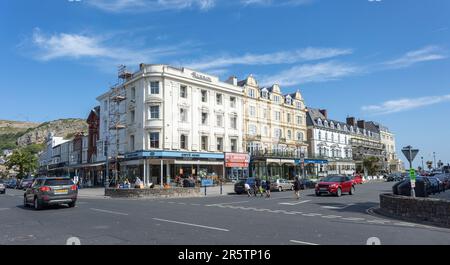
(117, 113)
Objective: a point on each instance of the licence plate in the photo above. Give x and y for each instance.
(324, 189)
(61, 191)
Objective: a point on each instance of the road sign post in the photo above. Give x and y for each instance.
(410, 154)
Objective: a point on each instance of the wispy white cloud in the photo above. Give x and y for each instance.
(98, 48)
(275, 2)
(282, 57)
(393, 106)
(429, 53)
(309, 73)
(150, 5)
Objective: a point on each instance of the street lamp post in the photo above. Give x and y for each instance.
(422, 163)
(434, 159)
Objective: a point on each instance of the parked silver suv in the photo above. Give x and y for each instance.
(50, 191)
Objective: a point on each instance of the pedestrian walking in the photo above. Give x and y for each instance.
(247, 189)
(297, 188)
(258, 187)
(267, 188)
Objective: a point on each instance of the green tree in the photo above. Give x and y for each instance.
(22, 161)
(34, 149)
(372, 165)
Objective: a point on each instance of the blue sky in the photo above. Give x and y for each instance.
(386, 61)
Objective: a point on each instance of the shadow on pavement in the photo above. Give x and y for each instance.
(46, 208)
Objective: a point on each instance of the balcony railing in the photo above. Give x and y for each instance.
(276, 154)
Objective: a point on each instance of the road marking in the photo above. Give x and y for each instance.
(331, 216)
(405, 224)
(294, 203)
(196, 204)
(107, 211)
(298, 212)
(353, 219)
(171, 202)
(338, 208)
(377, 221)
(2, 209)
(225, 203)
(182, 203)
(309, 214)
(303, 243)
(189, 224)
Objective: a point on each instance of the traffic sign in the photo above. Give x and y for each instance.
(412, 175)
(410, 153)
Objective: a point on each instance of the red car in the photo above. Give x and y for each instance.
(335, 185)
(357, 179)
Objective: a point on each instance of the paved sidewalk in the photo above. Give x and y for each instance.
(215, 191)
(210, 191)
(92, 193)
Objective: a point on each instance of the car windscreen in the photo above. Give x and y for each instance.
(332, 179)
(58, 182)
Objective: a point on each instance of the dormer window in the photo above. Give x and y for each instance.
(351, 129)
(338, 126)
(288, 100)
(326, 123)
(345, 128)
(319, 121)
(332, 125)
(265, 94)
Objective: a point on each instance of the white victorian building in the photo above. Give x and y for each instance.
(162, 122)
(330, 150)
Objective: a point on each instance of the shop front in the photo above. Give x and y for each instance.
(315, 168)
(167, 167)
(274, 168)
(236, 165)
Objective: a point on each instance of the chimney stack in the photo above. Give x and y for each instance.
(232, 80)
(362, 124)
(351, 121)
(324, 113)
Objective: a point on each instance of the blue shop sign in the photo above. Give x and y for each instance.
(315, 161)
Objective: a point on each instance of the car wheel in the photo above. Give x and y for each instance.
(339, 192)
(280, 189)
(37, 204)
(352, 190)
(317, 194)
(72, 204)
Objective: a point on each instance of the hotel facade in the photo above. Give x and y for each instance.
(164, 122)
(274, 130)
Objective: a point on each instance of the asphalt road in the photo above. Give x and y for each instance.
(231, 220)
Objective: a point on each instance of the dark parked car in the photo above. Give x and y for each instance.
(445, 180)
(307, 184)
(11, 184)
(422, 189)
(25, 183)
(436, 184)
(2, 187)
(335, 185)
(239, 186)
(49, 191)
